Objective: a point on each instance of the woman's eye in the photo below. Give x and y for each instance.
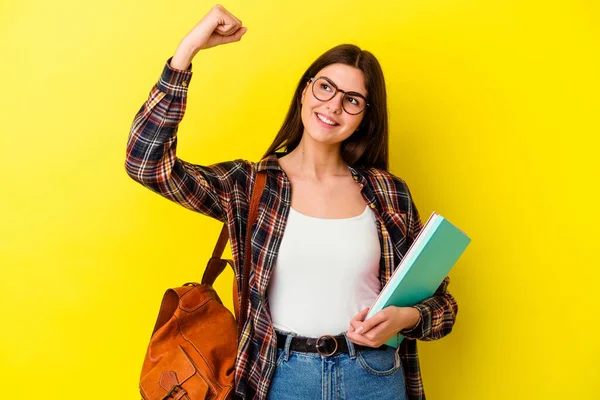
(353, 101)
(325, 86)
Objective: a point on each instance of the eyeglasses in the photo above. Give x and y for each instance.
(324, 90)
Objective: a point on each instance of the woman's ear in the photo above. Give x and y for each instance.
(304, 91)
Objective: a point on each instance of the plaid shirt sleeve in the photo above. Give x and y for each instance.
(438, 312)
(151, 160)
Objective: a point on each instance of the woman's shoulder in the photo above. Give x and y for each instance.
(227, 169)
(239, 169)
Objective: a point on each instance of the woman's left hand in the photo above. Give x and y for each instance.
(382, 326)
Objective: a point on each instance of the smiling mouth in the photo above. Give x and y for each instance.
(326, 120)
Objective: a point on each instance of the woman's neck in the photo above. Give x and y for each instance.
(316, 160)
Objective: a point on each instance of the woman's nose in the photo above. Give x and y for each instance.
(335, 104)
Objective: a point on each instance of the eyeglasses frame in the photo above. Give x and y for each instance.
(336, 90)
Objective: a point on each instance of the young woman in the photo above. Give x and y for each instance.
(332, 225)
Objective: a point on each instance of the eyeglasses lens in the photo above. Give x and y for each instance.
(323, 90)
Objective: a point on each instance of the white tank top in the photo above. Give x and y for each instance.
(326, 272)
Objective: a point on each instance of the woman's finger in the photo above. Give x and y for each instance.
(231, 16)
(372, 322)
(359, 339)
(355, 324)
(235, 37)
(228, 28)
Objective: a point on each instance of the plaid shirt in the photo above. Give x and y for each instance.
(222, 191)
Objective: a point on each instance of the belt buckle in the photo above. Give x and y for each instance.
(322, 346)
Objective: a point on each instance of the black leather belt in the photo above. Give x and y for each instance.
(326, 345)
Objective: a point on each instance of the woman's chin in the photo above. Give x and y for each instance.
(324, 138)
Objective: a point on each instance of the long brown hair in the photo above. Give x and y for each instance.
(368, 145)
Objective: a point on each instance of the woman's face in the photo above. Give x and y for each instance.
(326, 121)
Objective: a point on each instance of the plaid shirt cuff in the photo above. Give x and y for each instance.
(174, 82)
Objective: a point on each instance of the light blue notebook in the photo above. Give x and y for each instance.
(425, 265)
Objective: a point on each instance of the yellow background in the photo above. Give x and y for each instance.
(494, 124)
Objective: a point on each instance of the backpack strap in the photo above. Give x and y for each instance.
(216, 265)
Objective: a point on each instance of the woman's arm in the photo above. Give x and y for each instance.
(434, 320)
(151, 152)
(430, 319)
(151, 147)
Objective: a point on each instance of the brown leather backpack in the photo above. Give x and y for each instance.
(192, 351)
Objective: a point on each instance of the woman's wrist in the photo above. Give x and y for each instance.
(411, 318)
(183, 57)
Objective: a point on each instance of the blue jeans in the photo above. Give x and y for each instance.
(367, 374)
